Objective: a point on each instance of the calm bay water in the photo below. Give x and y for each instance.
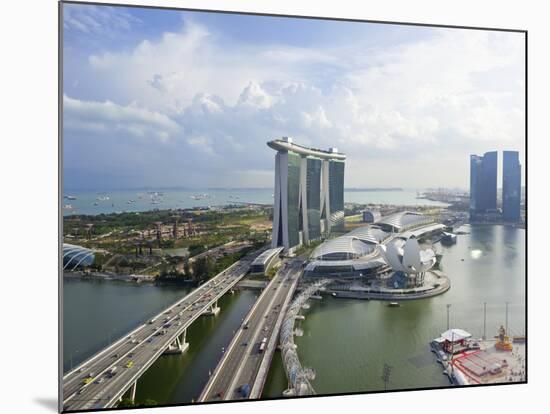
(96, 313)
(142, 200)
(347, 342)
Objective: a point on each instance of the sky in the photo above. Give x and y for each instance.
(169, 98)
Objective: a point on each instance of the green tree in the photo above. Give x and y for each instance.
(126, 403)
(187, 268)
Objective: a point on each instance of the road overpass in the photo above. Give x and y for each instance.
(246, 361)
(102, 380)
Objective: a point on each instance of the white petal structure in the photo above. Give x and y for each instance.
(407, 257)
(411, 256)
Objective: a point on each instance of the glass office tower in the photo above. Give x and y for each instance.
(483, 183)
(511, 186)
(475, 173)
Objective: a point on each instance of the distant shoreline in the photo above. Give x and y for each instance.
(374, 189)
(69, 190)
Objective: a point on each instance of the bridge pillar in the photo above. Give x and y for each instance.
(213, 310)
(133, 392)
(179, 346)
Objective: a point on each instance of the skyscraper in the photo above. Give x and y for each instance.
(309, 193)
(483, 183)
(511, 186)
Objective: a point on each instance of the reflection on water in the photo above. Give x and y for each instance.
(348, 342)
(476, 254)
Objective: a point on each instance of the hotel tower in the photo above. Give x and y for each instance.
(309, 193)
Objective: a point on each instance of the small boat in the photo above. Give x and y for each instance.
(394, 304)
(70, 197)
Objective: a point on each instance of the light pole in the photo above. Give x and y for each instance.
(507, 318)
(484, 319)
(448, 307)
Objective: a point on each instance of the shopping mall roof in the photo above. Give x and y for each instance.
(404, 220)
(369, 234)
(423, 230)
(357, 243)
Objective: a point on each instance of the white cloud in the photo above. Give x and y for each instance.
(110, 118)
(91, 19)
(458, 92)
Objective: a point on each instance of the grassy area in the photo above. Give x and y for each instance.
(118, 235)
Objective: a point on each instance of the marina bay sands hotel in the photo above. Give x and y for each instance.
(309, 194)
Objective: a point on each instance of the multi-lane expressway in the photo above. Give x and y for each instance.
(242, 371)
(102, 380)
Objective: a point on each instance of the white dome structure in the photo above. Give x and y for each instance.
(406, 256)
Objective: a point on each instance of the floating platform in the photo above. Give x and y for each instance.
(483, 361)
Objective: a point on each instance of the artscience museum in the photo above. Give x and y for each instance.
(389, 245)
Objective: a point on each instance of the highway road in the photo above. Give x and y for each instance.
(244, 361)
(100, 381)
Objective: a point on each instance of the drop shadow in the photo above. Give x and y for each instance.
(48, 403)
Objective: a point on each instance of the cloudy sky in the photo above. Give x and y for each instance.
(165, 98)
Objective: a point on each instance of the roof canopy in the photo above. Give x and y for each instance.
(455, 334)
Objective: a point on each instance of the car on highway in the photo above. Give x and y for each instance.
(99, 380)
(244, 390)
(129, 364)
